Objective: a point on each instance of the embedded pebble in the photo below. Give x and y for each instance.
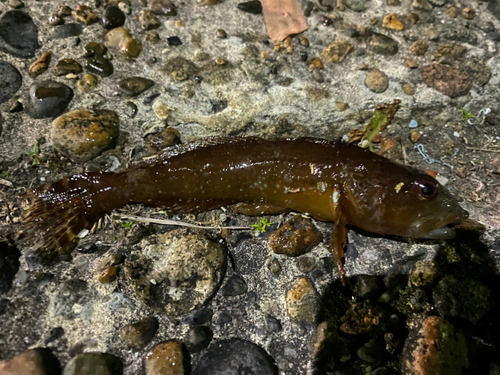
(84, 15)
(302, 301)
(39, 66)
(254, 7)
(94, 364)
(177, 273)
(112, 17)
(234, 286)
(221, 34)
(18, 34)
(223, 318)
(434, 347)
(174, 41)
(137, 335)
(274, 267)
(419, 48)
(356, 5)
(233, 355)
(108, 275)
(450, 49)
(166, 138)
(463, 298)
(53, 335)
(10, 81)
(48, 99)
(82, 135)
(56, 20)
(306, 264)
(296, 237)
(99, 65)
(377, 81)
(318, 76)
(39, 361)
(475, 67)
(198, 317)
(162, 7)
(131, 110)
(273, 325)
(371, 351)
(166, 358)
(391, 21)
(337, 51)
(468, 13)
(148, 20)
(197, 338)
(15, 4)
(421, 5)
(452, 12)
(408, 89)
(410, 63)
(134, 86)
(120, 40)
(67, 31)
(87, 83)
(66, 66)
(447, 80)
(383, 45)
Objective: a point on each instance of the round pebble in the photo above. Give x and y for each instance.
(148, 20)
(234, 286)
(166, 358)
(82, 135)
(94, 364)
(66, 66)
(120, 40)
(223, 318)
(296, 237)
(48, 99)
(377, 81)
(10, 81)
(197, 338)
(87, 83)
(134, 86)
(273, 325)
(227, 357)
(419, 48)
(18, 34)
(137, 335)
(174, 41)
(40, 65)
(337, 51)
(163, 7)
(112, 17)
(383, 45)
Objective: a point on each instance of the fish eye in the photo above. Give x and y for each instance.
(426, 190)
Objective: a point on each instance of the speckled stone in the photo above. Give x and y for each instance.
(337, 51)
(434, 347)
(108, 275)
(48, 99)
(166, 358)
(112, 17)
(120, 40)
(82, 135)
(419, 48)
(40, 66)
(447, 80)
(234, 286)
(377, 81)
(10, 81)
(185, 269)
(475, 67)
(18, 34)
(450, 49)
(162, 7)
(296, 237)
(134, 86)
(94, 364)
(86, 83)
(32, 362)
(66, 66)
(302, 301)
(137, 335)
(231, 356)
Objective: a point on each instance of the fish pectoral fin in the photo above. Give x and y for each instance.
(338, 239)
(259, 208)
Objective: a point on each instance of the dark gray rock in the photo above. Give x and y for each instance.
(18, 34)
(53, 334)
(67, 31)
(272, 324)
(494, 8)
(198, 317)
(198, 338)
(133, 86)
(48, 99)
(10, 81)
(235, 286)
(458, 34)
(233, 357)
(475, 67)
(94, 364)
(9, 265)
(370, 352)
(223, 318)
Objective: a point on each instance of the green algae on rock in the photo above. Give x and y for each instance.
(82, 135)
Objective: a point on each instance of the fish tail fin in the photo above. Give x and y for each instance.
(56, 214)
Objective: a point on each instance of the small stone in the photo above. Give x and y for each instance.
(302, 302)
(367, 287)
(377, 81)
(108, 275)
(179, 23)
(152, 37)
(15, 4)
(383, 45)
(15, 106)
(456, 33)
(66, 66)
(391, 21)
(148, 20)
(56, 20)
(40, 65)
(463, 298)
(221, 34)
(86, 83)
(48, 99)
(166, 138)
(64, 11)
(303, 56)
(337, 51)
(223, 318)
(84, 15)
(438, 3)
(315, 63)
(296, 237)
(306, 264)
(451, 49)
(421, 5)
(411, 63)
(198, 317)
(355, 5)
(137, 335)
(273, 325)
(125, 8)
(162, 111)
(318, 76)
(452, 12)
(18, 34)
(370, 352)
(53, 335)
(99, 65)
(82, 135)
(341, 106)
(220, 61)
(235, 286)
(32, 362)
(67, 31)
(480, 72)
(434, 347)
(166, 358)
(174, 41)
(363, 66)
(274, 267)
(94, 363)
(324, 20)
(447, 80)
(112, 17)
(197, 338)
(86, 247)
(254, 7)
(162, 7)
(413, 18)
(393, 2)
(468, 13)
(131, 110)
(419, 48)
(134, 86)
(120, 40)
(234, 356)
(408, 89)
(10, 81)
(303, 41)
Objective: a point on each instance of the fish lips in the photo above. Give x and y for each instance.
(444, 229)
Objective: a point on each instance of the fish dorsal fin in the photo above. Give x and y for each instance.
(172, 151)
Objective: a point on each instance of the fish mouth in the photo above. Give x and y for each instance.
(443, 230)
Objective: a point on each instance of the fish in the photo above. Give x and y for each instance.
(328, 180)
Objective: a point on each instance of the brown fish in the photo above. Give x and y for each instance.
(330, 181)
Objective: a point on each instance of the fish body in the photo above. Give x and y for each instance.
(330, 181)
